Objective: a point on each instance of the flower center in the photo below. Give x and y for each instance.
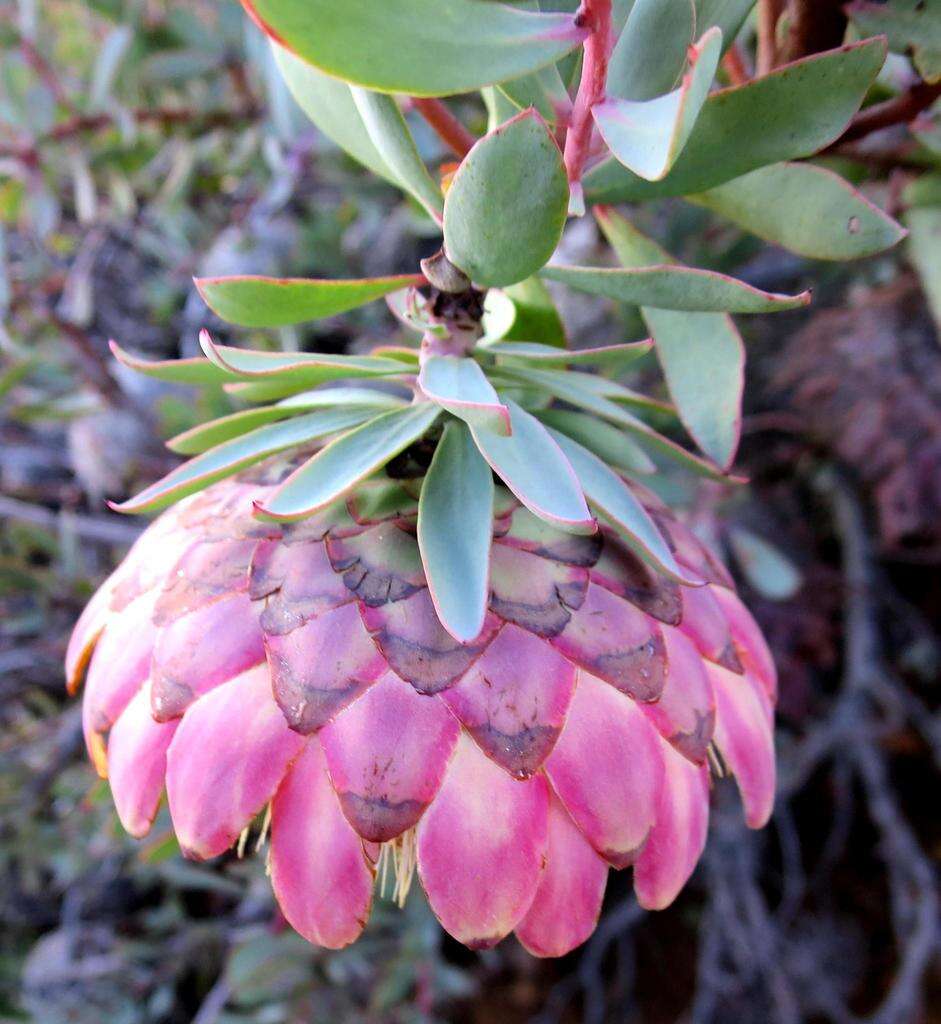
(398, 859)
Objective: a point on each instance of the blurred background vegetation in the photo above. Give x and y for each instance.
(143, 142)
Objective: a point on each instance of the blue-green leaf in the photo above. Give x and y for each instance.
(532, 465)
(459, 386)
(340, 466)
(455, 526)
(702, 354)
(420, 47)
(647, 136)
(240, 452)
(390, 135)
(608, 492)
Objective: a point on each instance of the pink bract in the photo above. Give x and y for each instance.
(301, 670)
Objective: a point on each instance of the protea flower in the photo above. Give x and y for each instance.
(452, 639)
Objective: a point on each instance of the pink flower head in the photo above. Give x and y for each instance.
(300, 671)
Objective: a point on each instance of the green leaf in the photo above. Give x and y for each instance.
(459, 386)
(605, 440)
(455, 526)
(306, 368)
(673, 287)
(328, 102)
(239, 453)
(208, 435)
(532, 465)
(390, 135)
(334, 470)
(651, 52)
(647, 136)
(608, 492)
(792, 112)
(506, 207)
(570, 385)
(765, 567)
(804, 208)
(175, 371)
(907, 23)
(251, 301)
(702, 354)
(421, 47)
(610, 357)
(537, 318)
(924, 250)
(585, 396)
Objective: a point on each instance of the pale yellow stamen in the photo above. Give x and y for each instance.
(716, 764)
(262, 835)
(398, 858)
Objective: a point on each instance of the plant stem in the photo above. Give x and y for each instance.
(595, 15)
(898, 110)
(449, 128)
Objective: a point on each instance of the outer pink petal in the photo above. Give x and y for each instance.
(749, 641)
(199, 651)
(514, 699)
(206, 571)
(118, 668)
(568, 901)
(297, 582)
(706, 625)
(86, 633)
(607, 768)
(678, 838)
(686, 712)
(417, 646)
(320, 667)
(137, 762)
(614, 640)
(387, 754)
(745, 738)
(226, 761)
(481, 848)
(319, 871)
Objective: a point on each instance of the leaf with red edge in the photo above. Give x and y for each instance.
(252, 301)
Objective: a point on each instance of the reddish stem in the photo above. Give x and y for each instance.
(899, 110)
(449, 128)
(595, 15)
(735, 66)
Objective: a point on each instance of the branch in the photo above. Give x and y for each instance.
(594, 15)
(899, 110)
(449, 129)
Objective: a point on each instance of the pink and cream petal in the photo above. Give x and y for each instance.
(745, 738)
(537, 593)
(319, 872)
(85, 635)
(607, 768)
(118, 668)
(706, 625)
(614, 640)
(202, 650)
(297, 584)
(387, 754)
(565, 909)
(679, 835)
(207, 571)
(750, 643)
(513, 700)
(137, 763)
(482, 847)
(685, 714)
(418, 648)
(226, 761)
(378, 565)
(619, 570)
(320, 667)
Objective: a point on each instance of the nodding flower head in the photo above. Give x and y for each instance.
(299, 672)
